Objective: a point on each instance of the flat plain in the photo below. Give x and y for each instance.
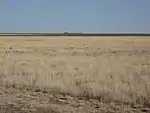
(74, 74)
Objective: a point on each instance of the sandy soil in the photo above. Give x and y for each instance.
(17, 100)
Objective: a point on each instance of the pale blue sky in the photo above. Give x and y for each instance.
(75, 16)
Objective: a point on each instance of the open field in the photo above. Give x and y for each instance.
(74, 74)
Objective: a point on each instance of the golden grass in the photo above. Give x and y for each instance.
(109, 69)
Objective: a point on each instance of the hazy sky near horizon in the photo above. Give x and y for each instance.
(75, 16)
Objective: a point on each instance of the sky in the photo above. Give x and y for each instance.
(95, 16)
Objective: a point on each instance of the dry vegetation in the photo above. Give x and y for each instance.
(79, 74)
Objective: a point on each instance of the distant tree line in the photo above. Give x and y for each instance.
(74, 34)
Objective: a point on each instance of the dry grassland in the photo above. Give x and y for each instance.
(76, 74)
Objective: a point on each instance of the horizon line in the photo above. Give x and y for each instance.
(72, 34)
